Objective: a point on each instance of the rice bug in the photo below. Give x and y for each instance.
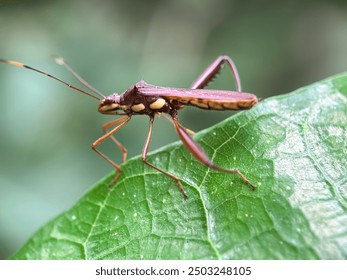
(145, 99)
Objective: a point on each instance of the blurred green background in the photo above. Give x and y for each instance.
(47, 129)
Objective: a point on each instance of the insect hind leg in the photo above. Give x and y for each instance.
(213, 69)
(200, 155)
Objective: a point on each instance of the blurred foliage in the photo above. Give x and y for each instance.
(47, 129)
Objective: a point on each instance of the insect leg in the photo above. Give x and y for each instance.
(199, 154)
(191, 132)
(97, 142)
(212, 70)
(144, 158)
(119, 145)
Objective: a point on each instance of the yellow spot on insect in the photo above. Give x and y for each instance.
(108, 107)
(138, 107)
(158, 104)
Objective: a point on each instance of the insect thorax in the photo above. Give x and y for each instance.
(139, 104)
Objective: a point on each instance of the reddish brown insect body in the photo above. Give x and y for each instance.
(146, 99)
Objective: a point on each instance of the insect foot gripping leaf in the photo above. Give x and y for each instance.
(293, 147)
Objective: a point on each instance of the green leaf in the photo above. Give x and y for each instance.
(292, 147)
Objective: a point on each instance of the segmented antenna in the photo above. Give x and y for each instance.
(18, 64)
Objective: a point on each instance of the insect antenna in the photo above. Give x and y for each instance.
(61, 61)
(18, 64)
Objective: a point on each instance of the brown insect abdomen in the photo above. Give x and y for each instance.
(221, 104)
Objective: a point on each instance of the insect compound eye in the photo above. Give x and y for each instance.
(110, 104)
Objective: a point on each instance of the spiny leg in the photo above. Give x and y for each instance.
(144, 158)
(212, 70)
(199, 154)
(123, 121)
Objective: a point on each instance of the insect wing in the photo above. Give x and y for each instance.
(203, 98)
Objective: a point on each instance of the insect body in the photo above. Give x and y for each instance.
(145, 99)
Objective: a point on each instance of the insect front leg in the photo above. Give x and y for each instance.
(123, 121)
(200, 155)
(144, 158)
(119, 145)
(212, 70)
